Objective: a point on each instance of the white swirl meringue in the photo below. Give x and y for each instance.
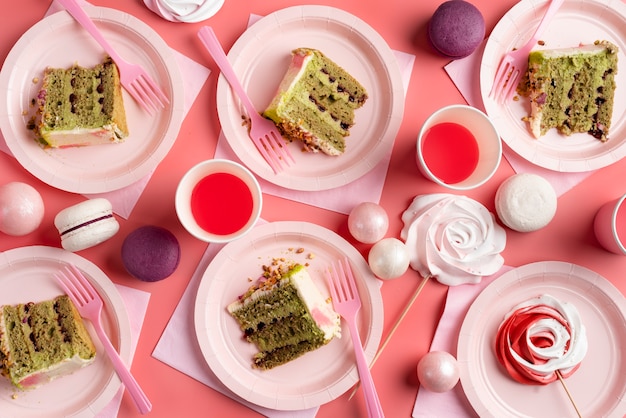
(187, 11)
(452, 238)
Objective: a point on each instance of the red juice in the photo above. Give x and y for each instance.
(450, 152)
(221, 203)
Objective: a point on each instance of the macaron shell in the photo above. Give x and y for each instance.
(526, 202)
(90, 235)
(456, 29)
(150, 253)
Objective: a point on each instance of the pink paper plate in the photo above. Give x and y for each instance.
(260, 58)
(26, 275)
(598, 387)
(576, 22)
(308, 381)
(58, 41)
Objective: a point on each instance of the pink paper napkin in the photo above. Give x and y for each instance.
(341, 199)
(465, 75)
(136, 302)
(194, 77)
(452, 403)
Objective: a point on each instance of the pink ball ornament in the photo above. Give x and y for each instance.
(21, 209)
(388, 258)
(438, 371)
(368, 222)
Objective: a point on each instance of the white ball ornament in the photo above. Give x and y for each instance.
(21, 209)
(368, 222)
(388, 258)
(438, 371)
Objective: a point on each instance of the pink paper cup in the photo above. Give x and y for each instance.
(486, 137)
(609, 225)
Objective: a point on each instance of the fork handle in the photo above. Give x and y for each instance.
(85, 21)
(547, 17)
(212, 44)
(374, 409)
(140, 398)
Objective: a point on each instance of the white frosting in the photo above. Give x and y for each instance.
(320, 309)
(187, 11)
(452, 238)
(78, 137)
(63, 368)
(568, 347)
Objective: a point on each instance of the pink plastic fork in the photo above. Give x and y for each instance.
(347, 302)
(89, 305)
(263, 132)
(133, 77)
(515, 63)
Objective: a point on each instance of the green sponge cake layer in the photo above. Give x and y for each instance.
(41, 341)
(315, 102)
(82, 106)
(285, 316)
(572, 89)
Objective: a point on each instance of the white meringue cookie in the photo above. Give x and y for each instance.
(452, 238)
(526, 202)
(187, 11)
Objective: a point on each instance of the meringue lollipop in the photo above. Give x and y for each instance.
(541, 340)
(451, 238)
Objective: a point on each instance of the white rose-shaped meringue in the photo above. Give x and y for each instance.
(187, 11)
(452, 238)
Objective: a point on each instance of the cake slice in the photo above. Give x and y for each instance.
(42, 341)
(315, 102)
(572, 89)
(81, 106)
(285, 315)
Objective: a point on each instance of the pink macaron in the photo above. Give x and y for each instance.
(456, 29)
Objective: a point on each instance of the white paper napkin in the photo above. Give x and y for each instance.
(194, 77)
(465, 75)
(453, 403)
(368, 188)
(136, 303)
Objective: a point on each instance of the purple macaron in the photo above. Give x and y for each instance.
(456, 29)
(150, 253)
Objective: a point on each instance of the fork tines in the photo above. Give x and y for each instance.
(343, 285)
(505, 82)
(73, 282)
(275, 152)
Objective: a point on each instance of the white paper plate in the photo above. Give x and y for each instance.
(576, 22)
(308, 381)
(599, 385)
(260, 58)
(59, 41)
(26, 275)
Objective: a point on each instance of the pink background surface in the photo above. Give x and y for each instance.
(569, 237)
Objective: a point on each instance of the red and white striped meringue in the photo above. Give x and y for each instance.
(539, 337)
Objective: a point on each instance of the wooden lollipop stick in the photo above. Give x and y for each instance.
(393, 329)
(569, 395)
